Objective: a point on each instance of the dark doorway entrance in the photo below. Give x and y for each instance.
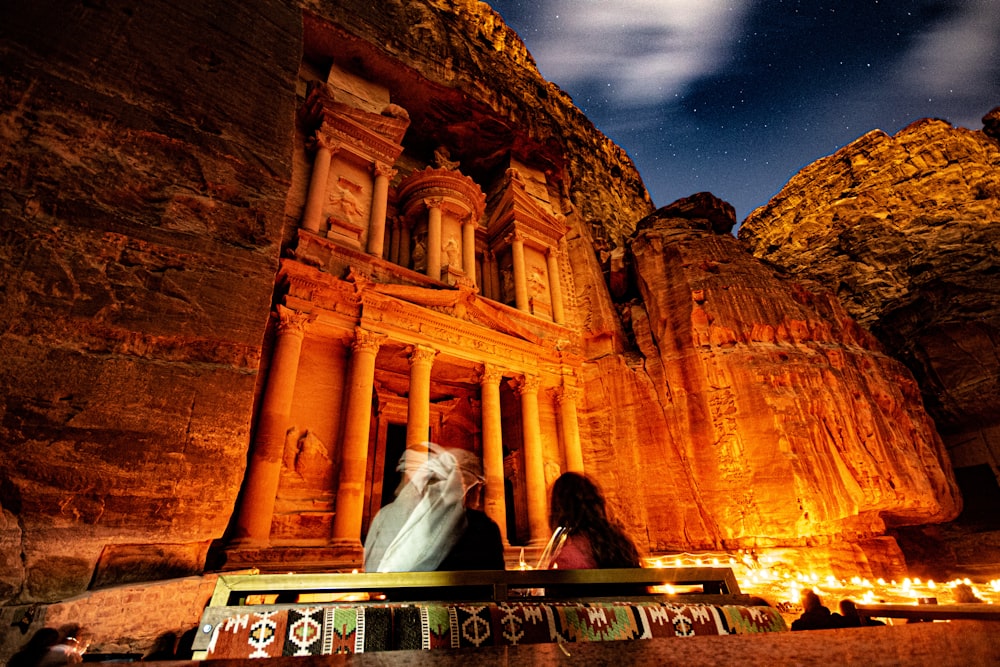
(395, 445)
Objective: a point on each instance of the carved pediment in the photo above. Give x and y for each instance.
(462, 303)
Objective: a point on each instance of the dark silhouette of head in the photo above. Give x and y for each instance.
(578, 506)
(848, 608)
(811, 601)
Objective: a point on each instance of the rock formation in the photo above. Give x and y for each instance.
(768, 415)
(155, 167)
(905, 230)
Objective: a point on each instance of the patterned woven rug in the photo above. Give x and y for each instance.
(359, 629)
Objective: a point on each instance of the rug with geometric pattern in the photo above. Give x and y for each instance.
(328, 630)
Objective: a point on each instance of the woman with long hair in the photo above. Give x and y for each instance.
(583, 534)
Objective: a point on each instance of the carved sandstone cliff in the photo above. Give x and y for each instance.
(770, 417)
(146, 159)
(905, 230)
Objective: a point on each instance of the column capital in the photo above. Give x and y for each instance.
(490, 375)
(384, 169)
(422, 354)
(292, 322)
(570, 394)
(367, 341)
(322, 140)
(433, 202)
(552, 252)
(526, 384)
(515, 237)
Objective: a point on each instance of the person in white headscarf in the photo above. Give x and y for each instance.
(419, 530)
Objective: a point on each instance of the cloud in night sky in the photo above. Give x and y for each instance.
(647, 50)
(736, 96)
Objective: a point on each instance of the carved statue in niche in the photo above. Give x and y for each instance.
(343, 201)
(453, 252)
(312, 457)
(536, 282)
(442, 159)
(507, 280)
(419, 255)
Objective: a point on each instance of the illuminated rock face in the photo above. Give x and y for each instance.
(905, 230)
(787, 419)
(175, 306)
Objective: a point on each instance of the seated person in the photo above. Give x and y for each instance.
(480, 546)
(814, 615)
(584, 536)
(851, 617)
(428, 526)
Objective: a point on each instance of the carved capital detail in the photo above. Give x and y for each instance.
(367, 341)
(526, 384)
(515, 237)
(434, 202)
(323, 140)
(292, 322)
(384, 169)
(568, 395)
(422, 354)
(490, 375)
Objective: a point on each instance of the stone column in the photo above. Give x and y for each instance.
(496, 290)
(534, 463)
(312, 217)
(380, 203)
(418, 415)
(566, 399)
(555, 290)
(404, 244)
(253, 523)
(394, 241)
(469, 248)
(433, 238)
(516, 241)
(496, 505)
(354, 447)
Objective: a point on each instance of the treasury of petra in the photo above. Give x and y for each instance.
(248, 263)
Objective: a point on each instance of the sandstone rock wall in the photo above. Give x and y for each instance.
(144, 160)
(906, 230)
(761, 413)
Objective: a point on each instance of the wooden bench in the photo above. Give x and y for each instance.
(931, 612)
(266, 615)
(497, 585)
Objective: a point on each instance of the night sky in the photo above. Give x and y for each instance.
(735, 96)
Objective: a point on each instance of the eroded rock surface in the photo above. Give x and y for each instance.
(142, 193)
(769, 415)
(906, 230)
